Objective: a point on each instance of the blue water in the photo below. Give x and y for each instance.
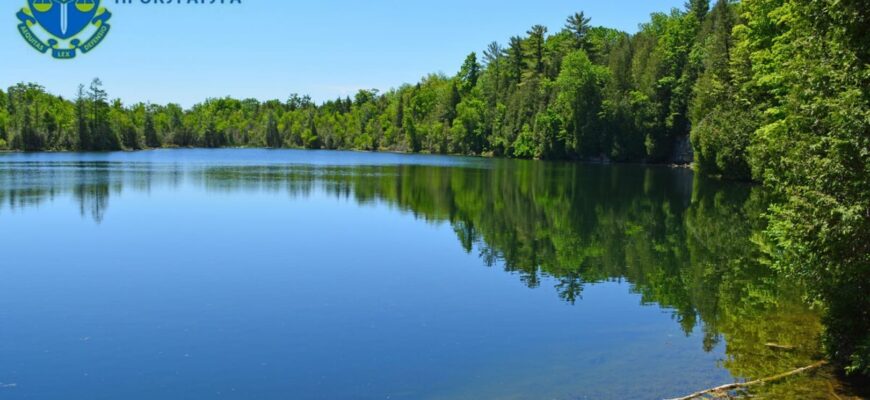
(254, 274)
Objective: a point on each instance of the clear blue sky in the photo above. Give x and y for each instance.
(270, 48)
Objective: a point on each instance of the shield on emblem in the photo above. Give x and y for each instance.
(64, 18)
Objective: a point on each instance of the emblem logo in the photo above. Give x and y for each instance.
(57, 25)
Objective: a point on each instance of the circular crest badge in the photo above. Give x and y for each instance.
(59, 25)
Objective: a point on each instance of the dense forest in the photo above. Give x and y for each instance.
(773, 91)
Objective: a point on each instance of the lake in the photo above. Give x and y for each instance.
(258, 274)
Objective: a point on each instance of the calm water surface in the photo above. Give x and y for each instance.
(254, 274)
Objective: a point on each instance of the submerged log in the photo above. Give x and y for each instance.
(777, 346)
(739, 385)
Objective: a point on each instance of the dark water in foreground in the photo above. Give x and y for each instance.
(254, 274)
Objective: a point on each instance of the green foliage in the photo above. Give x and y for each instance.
(525, 146)
(310, 138)
(534, 49)
(698, 8)
(570, 95)
(102, 136)
(4, 119)
(467, 133)
(273, 136)
(783, 97)
(601, 42)
(712, 52)
(721, 139)
(82, 127)
(580, 103)
(815, 151)
(469, 73)
(122, 122)
(578, 25)
(151, 138)
(212, 137)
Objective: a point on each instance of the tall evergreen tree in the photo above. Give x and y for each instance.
(469, 73)
(83, 126)
(102, 137)
(515, 60)
(578, 25)
(698, 8)
(493, 56)
(535, 48)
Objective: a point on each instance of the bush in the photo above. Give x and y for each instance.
(721, 142)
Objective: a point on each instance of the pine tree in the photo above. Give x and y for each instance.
(82, 123)
(698, 8)
(516, 60)
(102, 136)
(492, 56)
(535, 48)
(578, 25)
(469, 73)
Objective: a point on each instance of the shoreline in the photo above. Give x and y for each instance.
(396, 152)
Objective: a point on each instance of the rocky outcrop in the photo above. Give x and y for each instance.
(682, 153)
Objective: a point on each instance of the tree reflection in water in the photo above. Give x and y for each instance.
(689, 245)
